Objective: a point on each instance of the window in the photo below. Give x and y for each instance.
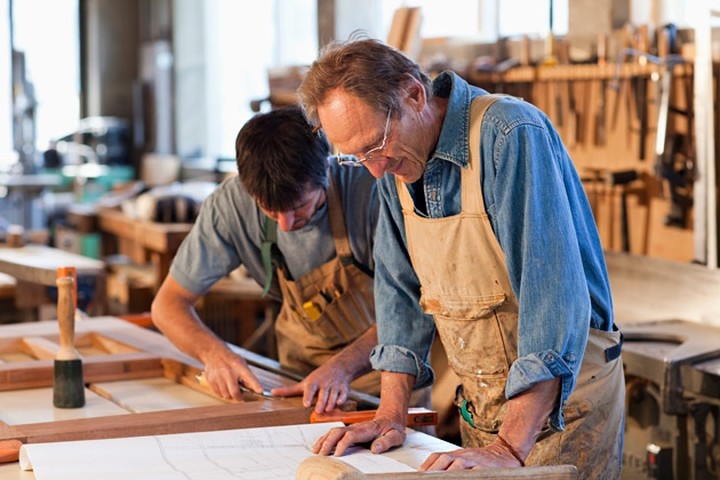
(225, 67)
(6, 148)
(49, 47)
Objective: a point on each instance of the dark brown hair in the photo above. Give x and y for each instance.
(278, 156)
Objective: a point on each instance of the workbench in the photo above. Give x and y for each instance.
(141, 240)
(137, 383)
(35, 267)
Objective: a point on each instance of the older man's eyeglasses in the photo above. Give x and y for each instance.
(358, 159)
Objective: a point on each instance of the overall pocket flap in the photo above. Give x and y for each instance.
(467, 307)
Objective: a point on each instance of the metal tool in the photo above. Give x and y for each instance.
(200, 378)
(270, 365)
(668, 145)
(68, 387)
(639, 84)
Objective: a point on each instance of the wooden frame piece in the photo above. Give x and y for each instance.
(118, 350)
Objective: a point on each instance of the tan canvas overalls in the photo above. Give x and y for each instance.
(465, 286)
(327, 308)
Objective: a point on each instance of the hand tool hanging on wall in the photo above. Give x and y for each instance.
(550, 45)
(617, 84)
(622, 179)
(68, 387)
(600, 132)
(573, 117)
(556, 88)
(673, 152)
(639, 88)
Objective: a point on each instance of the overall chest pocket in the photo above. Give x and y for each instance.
(477, 332)
(342, 319)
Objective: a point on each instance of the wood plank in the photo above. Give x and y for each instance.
(35, 405)
(155, 367)
(40, 348)
(111, 345)
(10, 346)
(152, 395)
(199, 419)
(39, 373)
(396, 34)
(156, 236)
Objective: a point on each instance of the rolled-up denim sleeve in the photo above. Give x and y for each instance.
(530, 369)
(530, 197)
(405, 332)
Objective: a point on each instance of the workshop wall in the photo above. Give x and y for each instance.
(609, 114)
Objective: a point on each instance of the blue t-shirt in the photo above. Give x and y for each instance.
(229, 232)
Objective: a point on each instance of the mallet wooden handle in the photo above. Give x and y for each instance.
(66, 319)
(329, 468)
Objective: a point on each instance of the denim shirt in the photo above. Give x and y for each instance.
(541, 217)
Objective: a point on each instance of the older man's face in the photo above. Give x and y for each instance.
(356, 129)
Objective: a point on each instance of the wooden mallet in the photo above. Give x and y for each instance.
(68, 387)
(330, 468)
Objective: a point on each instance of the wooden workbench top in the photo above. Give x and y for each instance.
(38, 263)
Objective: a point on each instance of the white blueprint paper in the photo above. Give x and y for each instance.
(254, 454)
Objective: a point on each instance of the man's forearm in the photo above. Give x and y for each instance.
(395, 390)
(354, 359)
(527, 414)
(184, 328)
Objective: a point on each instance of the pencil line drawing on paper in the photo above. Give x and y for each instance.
(268, 453)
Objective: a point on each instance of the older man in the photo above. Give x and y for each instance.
(486, 235)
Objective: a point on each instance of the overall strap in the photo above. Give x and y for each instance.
(271, 256)
(337, 222)
(338, 229)
(472, 198)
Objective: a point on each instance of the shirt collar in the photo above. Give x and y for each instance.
(453, 142)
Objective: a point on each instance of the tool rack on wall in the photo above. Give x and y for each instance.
(629, 130)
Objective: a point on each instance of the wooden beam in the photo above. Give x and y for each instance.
(197, 419)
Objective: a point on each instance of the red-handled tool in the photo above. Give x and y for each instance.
(10, 450)
(416, 416)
